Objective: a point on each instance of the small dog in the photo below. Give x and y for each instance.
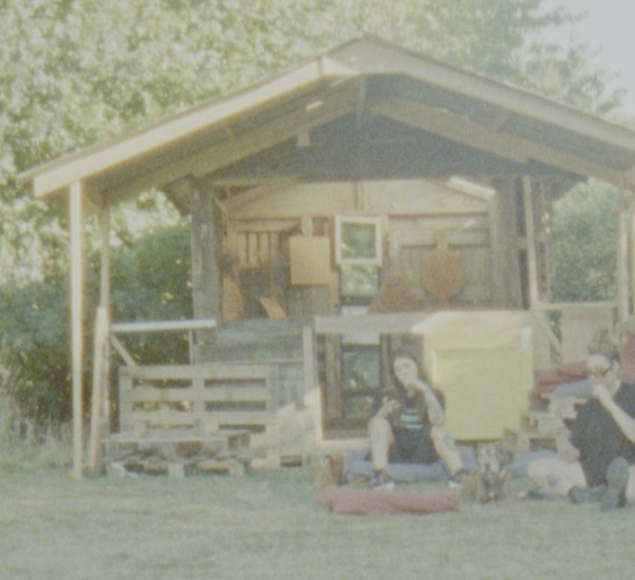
(490, 482)
(330, 472)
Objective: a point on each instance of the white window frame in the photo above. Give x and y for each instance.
(342, 221)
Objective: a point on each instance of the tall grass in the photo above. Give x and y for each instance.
(27, 445)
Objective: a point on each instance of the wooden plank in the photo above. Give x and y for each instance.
(206, 276)
(553, 339)
(99, 363)
(483, 138)
(622, 266)
(474, 237)
(338, 104)
(187, 372)
(104, 285)
(192, 394)
(402, 323)
(172, 419)
(557, 306)
(162, 326)
(77, 308)
(309, 376)
(49, 179)
(121, 349)
(531, 242)
(375, 58)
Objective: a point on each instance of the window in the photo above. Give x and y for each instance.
(358, 240)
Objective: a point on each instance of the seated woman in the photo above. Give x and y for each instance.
(407, 425)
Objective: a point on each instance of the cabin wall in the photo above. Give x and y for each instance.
(412, 213)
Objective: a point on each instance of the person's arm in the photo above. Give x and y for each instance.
(565, 448)
(436, 413)
(385, 407)
(622, 419)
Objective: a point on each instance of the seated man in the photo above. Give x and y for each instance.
(597, 456)
(406, 425)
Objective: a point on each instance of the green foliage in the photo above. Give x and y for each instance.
(34, 347)
(152, 282)
(585, 229)
(78, 72)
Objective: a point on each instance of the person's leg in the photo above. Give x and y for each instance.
(556, 476)
(381, 438)
(446, 449)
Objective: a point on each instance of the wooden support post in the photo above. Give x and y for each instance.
(308, 364)
(622, 266)
(206, 283)
(77, 308)
(104, 301)
(532, 264)
(104, 288)
(100, 383)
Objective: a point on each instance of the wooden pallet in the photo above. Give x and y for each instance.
(176, 451)
(540, 427)
(199, 401)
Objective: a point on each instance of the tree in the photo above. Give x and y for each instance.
(78, 72)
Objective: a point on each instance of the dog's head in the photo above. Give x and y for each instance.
(492, 459)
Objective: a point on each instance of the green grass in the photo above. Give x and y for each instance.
(269, 525)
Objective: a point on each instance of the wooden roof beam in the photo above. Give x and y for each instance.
(378, 57)
(50, 178)
(266, 188)
(314, 113)
(481, 137)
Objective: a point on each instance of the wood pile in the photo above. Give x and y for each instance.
(177, 452)
(540, 426)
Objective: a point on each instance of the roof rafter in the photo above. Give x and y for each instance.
(498, 143)
(339, 103)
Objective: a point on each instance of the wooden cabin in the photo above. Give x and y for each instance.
(368, 198)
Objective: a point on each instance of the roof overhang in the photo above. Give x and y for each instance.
(360, 80)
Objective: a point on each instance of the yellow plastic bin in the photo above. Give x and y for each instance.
(483, 363)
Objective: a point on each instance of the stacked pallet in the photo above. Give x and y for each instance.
(177, 452)
(541, 424)
(215, 417)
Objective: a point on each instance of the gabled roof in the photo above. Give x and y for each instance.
(365, 78)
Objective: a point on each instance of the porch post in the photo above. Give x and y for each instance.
(531, 243)
(206, 284)
(104, 287)
(622, 263)
(77, 307)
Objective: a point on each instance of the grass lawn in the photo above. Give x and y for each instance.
(270, 526)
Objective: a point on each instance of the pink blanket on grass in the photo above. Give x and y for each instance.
(363, 502)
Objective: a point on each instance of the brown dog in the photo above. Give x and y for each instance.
(330, 470)
(490, 482)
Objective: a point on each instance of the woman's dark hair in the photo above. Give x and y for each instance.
(403, 353)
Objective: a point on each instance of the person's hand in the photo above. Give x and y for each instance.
(389, 407)
(601, 393)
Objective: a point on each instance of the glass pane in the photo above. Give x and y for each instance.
(361, 369)
(359, 240)
(358, 407)
(359, 281)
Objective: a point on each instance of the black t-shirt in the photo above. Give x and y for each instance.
(411, 427)
(598, 438)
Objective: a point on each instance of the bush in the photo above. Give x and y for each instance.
(151, 281)
(585, 228)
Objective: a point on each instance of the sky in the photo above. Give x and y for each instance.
(609, 30)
